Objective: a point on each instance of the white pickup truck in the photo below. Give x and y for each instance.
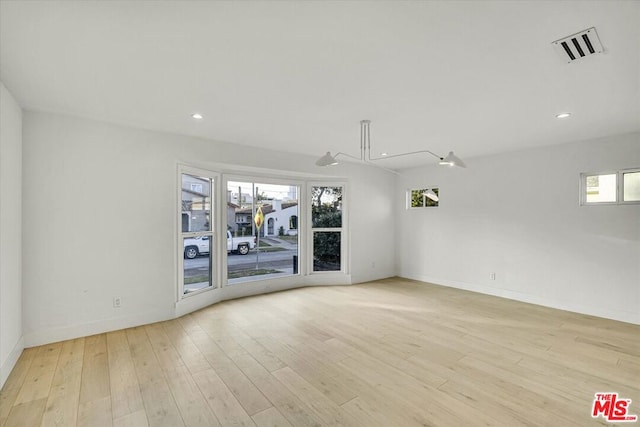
(194, 246)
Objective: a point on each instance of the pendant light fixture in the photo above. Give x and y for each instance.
(365, 153)
(431, 195)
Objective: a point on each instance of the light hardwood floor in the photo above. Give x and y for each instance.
(388, 353)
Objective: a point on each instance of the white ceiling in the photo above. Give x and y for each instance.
(477, 77)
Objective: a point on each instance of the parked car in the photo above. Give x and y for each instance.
(195, 246)
(241, 245)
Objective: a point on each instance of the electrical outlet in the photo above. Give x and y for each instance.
(492, 276)
(117, 302)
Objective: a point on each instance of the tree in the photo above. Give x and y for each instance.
(326, 212)
(418, 199)
(326, 207)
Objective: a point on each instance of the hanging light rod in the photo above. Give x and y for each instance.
(365, 153)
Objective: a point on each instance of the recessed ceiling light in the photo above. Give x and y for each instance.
(563, 115)
(197, 116)
(383, 154)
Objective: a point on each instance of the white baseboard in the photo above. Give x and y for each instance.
(46, 336)
(364, 278)
(621, 316)
(50, 335)
(8, 364)
(185, 306)
(200, 300)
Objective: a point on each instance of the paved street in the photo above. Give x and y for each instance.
(281, 260)
(275, 260)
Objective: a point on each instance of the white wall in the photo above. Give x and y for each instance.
(11, 342)
(100, 221)
(517, 214)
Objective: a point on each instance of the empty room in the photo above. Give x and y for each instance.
(316, 213)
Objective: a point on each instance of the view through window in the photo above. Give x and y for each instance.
(196, 232)
(327, 227)
(423, 198)
(619, 187)
(262, 233)
(268, 247)
(601, 188)
(631, 186)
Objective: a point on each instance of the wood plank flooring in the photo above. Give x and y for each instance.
(388, 353)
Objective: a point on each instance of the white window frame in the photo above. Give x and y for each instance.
(220, 289)
(344, 237)
(271, 180)
(420, 187)
(214, 241)
(619, 187)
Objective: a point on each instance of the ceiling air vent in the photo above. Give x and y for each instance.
(578, 45)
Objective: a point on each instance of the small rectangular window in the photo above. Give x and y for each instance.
(601, 188)
(423, 198)
(616, 187)
(631, 186)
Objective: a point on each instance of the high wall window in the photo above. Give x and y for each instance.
(327, 225)
(266, 248)
(423, 198)
(197, 235)
(617, 187)
(631, 186)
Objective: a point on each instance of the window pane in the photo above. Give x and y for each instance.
(276, 252)
(432, 197)
(326, 207)
(326, 250)
(196, 203)
(601, 188)
(417, 198)
(424, 197)
(631, 185)
(197, 264)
